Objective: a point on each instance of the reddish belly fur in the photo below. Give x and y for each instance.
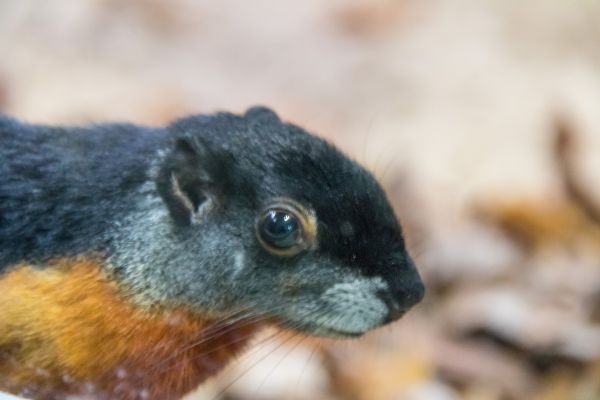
(66, 329)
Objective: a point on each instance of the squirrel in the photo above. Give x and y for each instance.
(135, 262)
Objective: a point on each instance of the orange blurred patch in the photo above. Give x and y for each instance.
(67, 329)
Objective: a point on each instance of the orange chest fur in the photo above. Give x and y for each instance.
(66, 330)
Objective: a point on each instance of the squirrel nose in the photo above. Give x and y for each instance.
(403, 294)
(398, 303)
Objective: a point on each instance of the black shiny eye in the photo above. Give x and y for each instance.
(285, 227)
(280, 229)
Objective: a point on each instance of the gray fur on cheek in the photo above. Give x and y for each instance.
(158, 265)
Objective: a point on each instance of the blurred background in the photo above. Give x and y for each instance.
(480, 117)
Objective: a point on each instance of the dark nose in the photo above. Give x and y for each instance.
(406, 289)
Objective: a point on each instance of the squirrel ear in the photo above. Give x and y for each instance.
(187, 180)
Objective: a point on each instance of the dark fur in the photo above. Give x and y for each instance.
(61, 187)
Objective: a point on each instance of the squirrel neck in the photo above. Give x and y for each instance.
(66, 329)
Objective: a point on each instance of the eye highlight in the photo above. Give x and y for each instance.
(280, 229)
(285, 228)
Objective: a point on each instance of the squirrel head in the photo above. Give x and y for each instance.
(251, 216)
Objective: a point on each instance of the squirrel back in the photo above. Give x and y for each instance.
(60, 188)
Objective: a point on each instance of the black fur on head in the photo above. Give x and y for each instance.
(219, 176)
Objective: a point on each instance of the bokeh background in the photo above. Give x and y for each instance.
(480, 117)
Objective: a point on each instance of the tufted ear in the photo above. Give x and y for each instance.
(189, 180)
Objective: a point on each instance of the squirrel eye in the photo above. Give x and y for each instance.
(285, 228)
(280, 229)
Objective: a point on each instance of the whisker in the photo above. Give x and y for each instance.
(174, 358)
(365, 145)
(256, 318)
(287, 325)
(254, 364)
(310, 356)
(215, 331)
(287, 353)
(389, 164)
(245, 319)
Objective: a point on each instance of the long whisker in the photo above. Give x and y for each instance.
(365, 144)
(217, 330)
(213, 350)
(248, 318)
(172, 361)
(288, 326)
(308, 359)
(386, 169)
(287, 353)
(254, 364)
